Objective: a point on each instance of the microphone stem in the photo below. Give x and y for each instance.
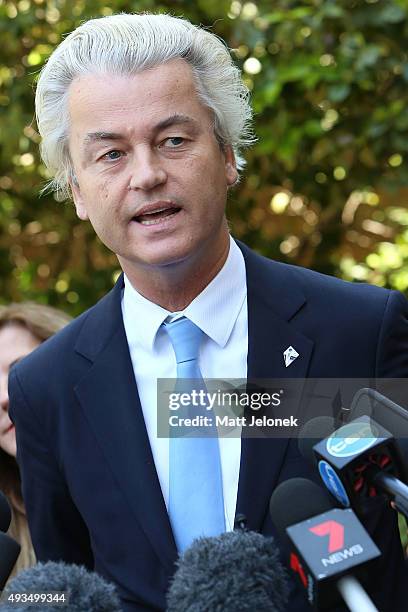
(354, 595)
(390, 484)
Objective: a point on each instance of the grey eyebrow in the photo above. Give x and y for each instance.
(98, 136)
(176, 120)
(92, 137)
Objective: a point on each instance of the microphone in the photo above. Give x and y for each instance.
(5, 513)
(359, 461)
(387, 413)
(9, 548)
(78, 588)
(9, 551)
(240, 522)
(326, 544)
(238, 570)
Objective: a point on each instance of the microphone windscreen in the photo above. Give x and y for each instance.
(297, 500)
(311, 433)
(5, 513)
(236, 571)
(86, 591)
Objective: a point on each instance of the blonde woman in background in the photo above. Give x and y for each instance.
(23, 327)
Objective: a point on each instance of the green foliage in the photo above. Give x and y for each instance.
(326, 185)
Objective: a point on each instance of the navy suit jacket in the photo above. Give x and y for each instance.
(89, 481)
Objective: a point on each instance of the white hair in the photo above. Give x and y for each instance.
(127, 44)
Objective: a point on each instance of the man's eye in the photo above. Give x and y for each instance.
(173, 142)
(112, 155)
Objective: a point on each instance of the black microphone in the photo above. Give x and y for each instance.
(394, 418)
(238, 570)
(5, 513)
(240, 522)
(9, 551)
(329, 548)
(74, 588)
(390, 415)
(9, 548)
(359, 461)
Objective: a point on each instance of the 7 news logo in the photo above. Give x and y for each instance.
(335, 531)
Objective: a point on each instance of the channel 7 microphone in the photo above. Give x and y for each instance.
(238, 570)
(9, 548)
(330, 551)
(359, 461)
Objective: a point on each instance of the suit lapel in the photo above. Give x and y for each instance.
(109, 398)
(273, 301)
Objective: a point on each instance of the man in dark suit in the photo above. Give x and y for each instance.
(142, 118)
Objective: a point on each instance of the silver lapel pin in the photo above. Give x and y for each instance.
(290, 355)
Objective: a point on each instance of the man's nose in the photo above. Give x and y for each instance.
(147, 171)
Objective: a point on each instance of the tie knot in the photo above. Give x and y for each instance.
(185, 338)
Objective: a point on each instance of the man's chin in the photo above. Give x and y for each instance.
(157, 260)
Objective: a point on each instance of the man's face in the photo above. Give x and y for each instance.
(152, 178)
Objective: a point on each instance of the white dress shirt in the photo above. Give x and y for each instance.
(220, 311)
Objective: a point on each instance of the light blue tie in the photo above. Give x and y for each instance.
(196, 504)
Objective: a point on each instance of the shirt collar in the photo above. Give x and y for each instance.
(215, 310)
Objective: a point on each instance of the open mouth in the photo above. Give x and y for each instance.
(157, 216)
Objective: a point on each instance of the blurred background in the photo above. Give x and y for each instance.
(326, 186)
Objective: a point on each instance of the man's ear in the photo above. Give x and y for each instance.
(231, 171)
(77, 197)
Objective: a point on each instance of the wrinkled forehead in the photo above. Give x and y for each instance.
(110, 103)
